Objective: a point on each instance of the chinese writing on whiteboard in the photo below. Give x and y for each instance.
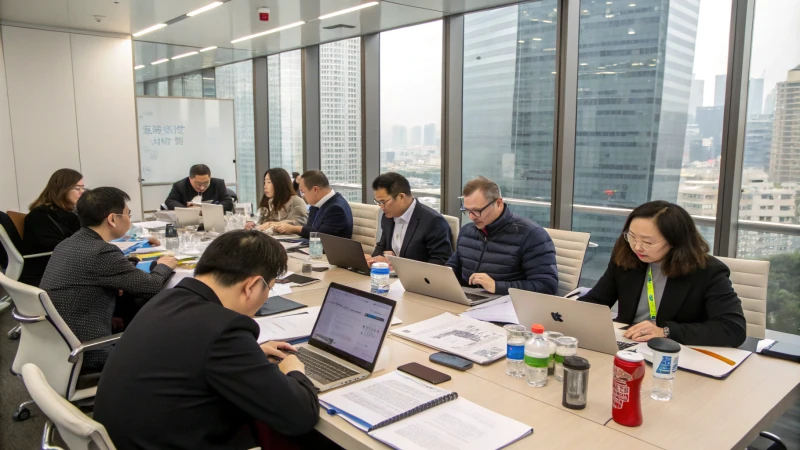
(161, 135)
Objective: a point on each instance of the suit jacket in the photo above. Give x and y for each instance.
(45, 228)
(700, 308)
(182, 193)
(334, 218)
(189, 374)
(427, 239)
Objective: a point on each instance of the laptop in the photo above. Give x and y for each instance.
(591, 324)
(213, 218)
(345, 253)
(437, 281)
(187, 216)
(347, 336)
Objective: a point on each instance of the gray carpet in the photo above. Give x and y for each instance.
(27, 435)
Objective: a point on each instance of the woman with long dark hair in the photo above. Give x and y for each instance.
(667, 284)
(280, 203)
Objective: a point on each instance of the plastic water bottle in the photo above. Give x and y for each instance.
(515, 350)
(537, 357)
(379, 278)
(314, 246)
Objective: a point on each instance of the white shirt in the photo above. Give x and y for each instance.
(327, 197)
(400, 227)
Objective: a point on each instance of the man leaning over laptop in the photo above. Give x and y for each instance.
(499, 249)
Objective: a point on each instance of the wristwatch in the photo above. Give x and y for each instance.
(666, 332)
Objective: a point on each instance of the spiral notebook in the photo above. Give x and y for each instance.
(404, 412)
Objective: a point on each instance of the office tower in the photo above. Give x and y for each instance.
(430, 138)
(416, 136)
(399, 137)
(696, 97)
(719, 90)
(285, 106)
(340, 108)
(758, 142)
(755, 96)
(709, 121)
(785, 158)
(769, 103)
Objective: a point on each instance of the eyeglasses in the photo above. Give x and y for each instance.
(129, 215)
(633, 241)
(476, 213)
(78, 188)
(382, 203)
(266, 285)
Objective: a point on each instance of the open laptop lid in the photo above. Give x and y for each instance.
(213, 217)
(345, 253)
(352, 325)
(187, 216)
(419, 277)
(589, 323)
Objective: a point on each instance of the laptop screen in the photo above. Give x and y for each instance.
(352, 323)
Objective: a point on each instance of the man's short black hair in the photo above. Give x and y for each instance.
(315, 178)
(96, 204)
(199, 169)
(393, 182)
(237, 255)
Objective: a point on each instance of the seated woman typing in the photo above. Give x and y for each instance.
(667, 284)
(280, 203)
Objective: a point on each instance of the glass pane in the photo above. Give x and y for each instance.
(162, 88)
(651, 91)
(139, 89)
(193, 85)
(340, 116)
(285, 87)
(236, 81)
(209, 83)
(509, 101)
(411, 108)
(176, 86)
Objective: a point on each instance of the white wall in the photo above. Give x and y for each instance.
(8, 176)
(71, 102)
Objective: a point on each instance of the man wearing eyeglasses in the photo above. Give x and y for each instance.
(86, 273)
(410, 229)
(328, 211)
(499, 249)
(199, 188)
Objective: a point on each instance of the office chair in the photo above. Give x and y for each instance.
(48, 342)
(366, 225)
(570, 251)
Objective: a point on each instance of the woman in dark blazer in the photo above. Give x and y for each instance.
(693, 301)
(51, 219)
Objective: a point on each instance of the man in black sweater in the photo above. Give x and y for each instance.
(188, 373)
(198, 188)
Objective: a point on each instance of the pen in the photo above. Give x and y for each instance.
(730, 362)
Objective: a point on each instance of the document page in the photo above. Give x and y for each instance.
(498, 310)
(378, 399)
(457, 425)
(293, 325)
(468, 338)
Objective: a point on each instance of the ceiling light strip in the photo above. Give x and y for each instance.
(208, 7)
(207, 49)
(184, 55)
(345, 11)
(159, 61)
(155, 27)
(263, 33)
(140, 66)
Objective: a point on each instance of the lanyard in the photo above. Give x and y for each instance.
(651, 297)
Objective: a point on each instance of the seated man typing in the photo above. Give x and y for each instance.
(329, 212)
(499, 249)
(189, 374)
(197, 188)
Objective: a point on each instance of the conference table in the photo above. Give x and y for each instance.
(703, 413)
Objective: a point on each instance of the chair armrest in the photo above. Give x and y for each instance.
(37, 255)
(22, 318)
(47, 437)
(94, 344)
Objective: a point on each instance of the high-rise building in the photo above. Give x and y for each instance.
(785, 158)
(755, 96)
(758, 142)
(416, 136)
(430, 137)
(696, 97)
(719, 90)
(769, 103)
(399, 137)
(285, 106)
(709, 121)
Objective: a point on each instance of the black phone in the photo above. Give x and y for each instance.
(452, 361)
(424, 373)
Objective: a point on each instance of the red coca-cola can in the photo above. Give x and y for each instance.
(626, 394)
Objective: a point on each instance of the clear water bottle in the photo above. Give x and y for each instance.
(537, 357)
(379, 278)
(516, 336)
(314, 246)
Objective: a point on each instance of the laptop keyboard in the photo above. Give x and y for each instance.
(475, 296)
(624, 345)
(322, 369)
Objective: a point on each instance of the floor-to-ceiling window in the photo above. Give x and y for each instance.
(285, 88)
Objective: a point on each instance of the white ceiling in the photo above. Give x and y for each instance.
(232, 20)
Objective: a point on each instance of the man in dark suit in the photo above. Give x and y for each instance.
(329, 212)
(409, 228)
(189, 373)
(197, 188)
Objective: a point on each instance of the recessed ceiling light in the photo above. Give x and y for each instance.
(345, 11)
(206, 49)
(155, 27)
(184, 55)
(204, 9)
(140, 66)
(159, 61)
(263, 33)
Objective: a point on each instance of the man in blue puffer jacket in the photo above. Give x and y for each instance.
(499, 249)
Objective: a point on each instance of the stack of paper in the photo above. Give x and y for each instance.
(498, 310)
(289, 326)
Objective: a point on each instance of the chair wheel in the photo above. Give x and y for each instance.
(14, 335)
(20, 415)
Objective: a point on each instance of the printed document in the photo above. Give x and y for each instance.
(468, 338)
(498, 310)
(290, 326)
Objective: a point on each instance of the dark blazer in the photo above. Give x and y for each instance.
(700, 308)
(182, 193)
(428, 237)
(334, 218)
(188, 373)
(45, 227)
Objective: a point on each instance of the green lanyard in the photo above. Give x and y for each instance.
(651, 296)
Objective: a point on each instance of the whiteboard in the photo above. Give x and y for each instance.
(177, 133)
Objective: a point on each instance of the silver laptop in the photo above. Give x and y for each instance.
(187, 216)
(213, 218)
(591, 324)
(345, 253)
(436, 281)
(347, 337)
